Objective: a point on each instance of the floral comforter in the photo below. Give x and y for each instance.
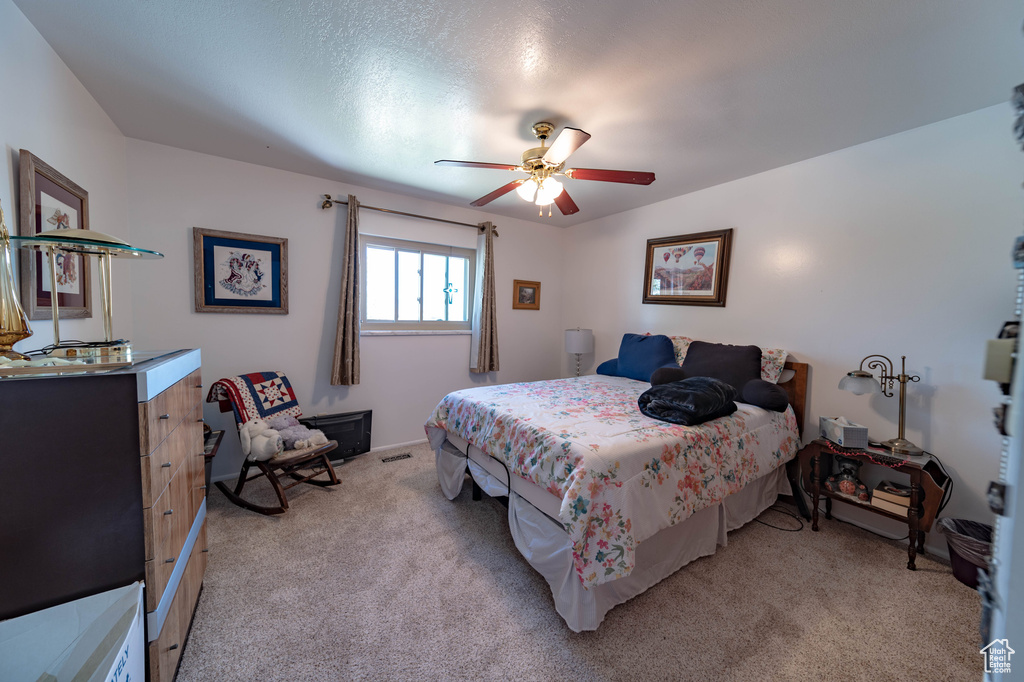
(621, 476)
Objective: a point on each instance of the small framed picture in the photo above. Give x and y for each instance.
(525, 295)
(688, 269)
(240, 273)
(50, 201)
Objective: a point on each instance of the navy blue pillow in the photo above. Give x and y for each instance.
(640, 355)
(609, 367)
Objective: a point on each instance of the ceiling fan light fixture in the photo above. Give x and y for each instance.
(547, 191)
(543, 162)
(528, 190)
(554, 187)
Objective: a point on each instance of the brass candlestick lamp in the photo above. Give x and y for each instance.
(13, 321)
(861, 381)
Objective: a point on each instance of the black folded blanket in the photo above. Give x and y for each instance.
(689, 402)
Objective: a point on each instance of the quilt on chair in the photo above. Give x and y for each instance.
(259, 394)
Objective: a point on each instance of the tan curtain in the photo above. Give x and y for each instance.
(345, 369)
(483, 356)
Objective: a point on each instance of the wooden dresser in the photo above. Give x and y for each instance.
(85, 513)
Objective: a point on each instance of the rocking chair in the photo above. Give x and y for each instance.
(265, 395)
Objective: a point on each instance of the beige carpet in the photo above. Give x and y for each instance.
(383, 578)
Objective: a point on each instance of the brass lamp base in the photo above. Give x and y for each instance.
(111, 350)
(11, 354)
(901, 446)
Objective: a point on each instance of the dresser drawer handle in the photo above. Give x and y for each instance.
(200, 420)
(207, 549)
(199, 385)
(165, 416)
(168, 512)
(165, 465)
(169, 561)
(202, 487)
(172, 647)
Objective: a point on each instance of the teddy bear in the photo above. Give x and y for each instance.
(295, 435)
(259, 441)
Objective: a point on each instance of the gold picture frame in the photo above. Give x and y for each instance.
(49, 200)
(688, 269)
(525, 295)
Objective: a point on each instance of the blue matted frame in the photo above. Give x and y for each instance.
(210, 293)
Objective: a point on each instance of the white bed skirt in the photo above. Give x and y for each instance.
(543, 543)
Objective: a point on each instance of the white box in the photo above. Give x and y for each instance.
(843, 432)
(95, 639)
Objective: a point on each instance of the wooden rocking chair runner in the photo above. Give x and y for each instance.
(265, 395)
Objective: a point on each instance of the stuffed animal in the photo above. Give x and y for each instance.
(259, 441)
(296, 436)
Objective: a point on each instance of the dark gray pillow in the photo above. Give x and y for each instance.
(688, 402)
(735, 365)
(666, 375)
(765, 394)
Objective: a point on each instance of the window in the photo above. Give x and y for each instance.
(411, 285)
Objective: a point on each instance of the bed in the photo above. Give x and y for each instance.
(603, 501)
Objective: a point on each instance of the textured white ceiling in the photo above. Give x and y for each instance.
(698, 91)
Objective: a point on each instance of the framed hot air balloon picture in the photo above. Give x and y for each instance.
(688, 269)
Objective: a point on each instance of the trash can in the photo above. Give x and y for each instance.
(970, 546)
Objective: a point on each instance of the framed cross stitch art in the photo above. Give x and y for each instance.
(240, 273)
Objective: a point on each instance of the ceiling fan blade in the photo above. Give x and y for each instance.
(475, 164)
(565, 204)
(500, 192)
(568, 141)
(604, 175)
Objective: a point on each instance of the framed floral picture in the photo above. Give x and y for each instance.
(525, 295)
(688, 269)
(240, 273)
(50, 201)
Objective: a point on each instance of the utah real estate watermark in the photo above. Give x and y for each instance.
(997, 656)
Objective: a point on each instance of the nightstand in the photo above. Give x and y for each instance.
(928, 484)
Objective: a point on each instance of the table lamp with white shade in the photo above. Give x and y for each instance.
(577, 342)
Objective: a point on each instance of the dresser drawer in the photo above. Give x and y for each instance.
(162, 414)
(169, 521)
(185, 441)
(165, 650)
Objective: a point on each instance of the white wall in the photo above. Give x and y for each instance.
(47, 111)
(403, 377)
(898, 246)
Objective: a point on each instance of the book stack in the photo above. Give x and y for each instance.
(892, 497)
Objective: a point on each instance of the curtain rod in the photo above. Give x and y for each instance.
(328, 202)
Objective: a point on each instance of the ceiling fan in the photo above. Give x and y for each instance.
(543, 164)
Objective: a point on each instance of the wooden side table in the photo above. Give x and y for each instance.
(927, 485)
(211, 444)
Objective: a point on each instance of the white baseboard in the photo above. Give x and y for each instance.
(399, 445)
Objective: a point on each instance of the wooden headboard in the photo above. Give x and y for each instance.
(796, 389)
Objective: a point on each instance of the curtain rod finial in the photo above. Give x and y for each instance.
(327, 203)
